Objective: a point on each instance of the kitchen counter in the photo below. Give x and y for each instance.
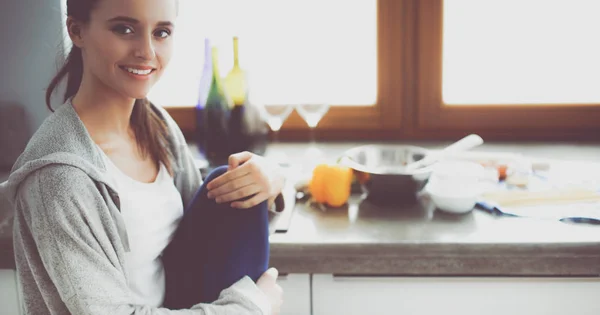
(365, 239)
(368, 239)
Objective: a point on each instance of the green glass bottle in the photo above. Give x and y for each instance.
(216, 117)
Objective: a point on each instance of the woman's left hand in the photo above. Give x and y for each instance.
(248, 175)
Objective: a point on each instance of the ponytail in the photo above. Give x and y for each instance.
(151, 133)
(73, 70)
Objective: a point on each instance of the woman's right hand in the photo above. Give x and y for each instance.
(268, 284)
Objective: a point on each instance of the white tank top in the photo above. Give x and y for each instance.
(152, 212)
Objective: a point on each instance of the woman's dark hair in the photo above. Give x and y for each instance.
(150, 130)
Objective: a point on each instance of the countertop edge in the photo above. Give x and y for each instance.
(577, 259)
(557, 260)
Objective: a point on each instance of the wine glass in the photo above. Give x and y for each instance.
(312, 113)
(275, 116)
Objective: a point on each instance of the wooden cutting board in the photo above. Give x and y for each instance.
(514, 198)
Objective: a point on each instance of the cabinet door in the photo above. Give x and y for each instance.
(296, 294)
(9, 299)
(454, 295)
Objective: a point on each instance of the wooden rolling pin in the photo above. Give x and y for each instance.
(514, 198)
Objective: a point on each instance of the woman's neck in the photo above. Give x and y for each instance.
(105, 112)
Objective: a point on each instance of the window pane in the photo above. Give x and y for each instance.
(521, 51)
(293, 51)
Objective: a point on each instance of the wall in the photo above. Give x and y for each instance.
(29, 51)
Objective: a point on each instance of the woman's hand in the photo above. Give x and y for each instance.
(268, 284)
(248, 175)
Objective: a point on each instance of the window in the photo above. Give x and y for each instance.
(403, 69)
(521, 52)
(509, 69)
(293, 51)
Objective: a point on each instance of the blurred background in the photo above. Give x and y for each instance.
(363, 88)
(390, 70)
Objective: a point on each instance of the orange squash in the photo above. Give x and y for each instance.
(330, 184)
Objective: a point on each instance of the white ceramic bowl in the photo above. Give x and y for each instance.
(454, 186)
(454, 203)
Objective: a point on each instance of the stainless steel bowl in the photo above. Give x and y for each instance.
(380, 169)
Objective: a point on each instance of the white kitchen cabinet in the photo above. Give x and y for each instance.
(9, 296)
(454, 295)
(296, 294)
(20, 294)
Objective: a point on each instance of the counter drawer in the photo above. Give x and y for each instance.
(10, 303)
(296, 294)
(454, 295)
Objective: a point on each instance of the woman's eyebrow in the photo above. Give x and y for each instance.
(164, 23)
(134, 21)
(124, 19)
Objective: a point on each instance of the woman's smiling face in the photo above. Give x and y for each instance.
(127, 44)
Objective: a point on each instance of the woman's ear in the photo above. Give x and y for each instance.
(74, 29)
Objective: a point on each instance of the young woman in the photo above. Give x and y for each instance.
(111, 214)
